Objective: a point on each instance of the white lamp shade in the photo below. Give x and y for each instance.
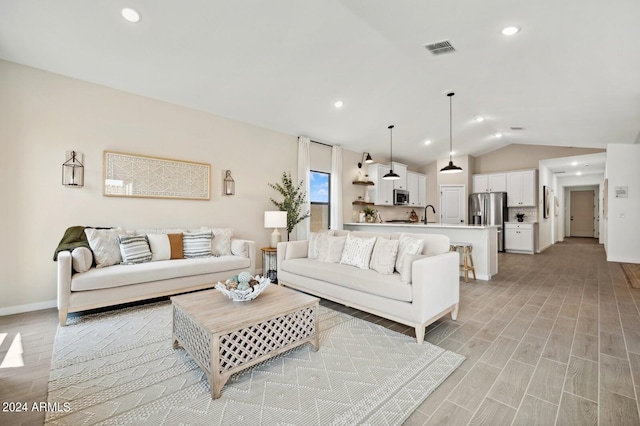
(275, 219)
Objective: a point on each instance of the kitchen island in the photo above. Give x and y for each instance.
(484, 239)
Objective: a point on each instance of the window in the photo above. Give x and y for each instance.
(319, 198)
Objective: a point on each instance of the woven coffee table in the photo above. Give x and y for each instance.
(225, 337)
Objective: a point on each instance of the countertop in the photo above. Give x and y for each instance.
(428, 225)
(517, 223)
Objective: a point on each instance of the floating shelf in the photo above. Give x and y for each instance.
(363, 182)
(362, 203)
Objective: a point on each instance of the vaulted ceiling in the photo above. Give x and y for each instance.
(569, 77)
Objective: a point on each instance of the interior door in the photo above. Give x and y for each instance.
(452, 206)
(582, 220)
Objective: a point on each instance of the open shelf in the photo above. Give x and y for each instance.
(363, 182)
(362, 203)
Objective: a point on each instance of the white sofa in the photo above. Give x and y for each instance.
(433, 290)
(117, 284)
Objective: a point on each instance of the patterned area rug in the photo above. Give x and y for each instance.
(119, 368)
(632, 272)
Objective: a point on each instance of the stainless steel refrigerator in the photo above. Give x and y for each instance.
(489, 208)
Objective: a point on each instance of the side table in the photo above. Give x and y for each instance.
(270, 263)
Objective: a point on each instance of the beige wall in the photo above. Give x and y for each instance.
(517, 157)
(42, 115)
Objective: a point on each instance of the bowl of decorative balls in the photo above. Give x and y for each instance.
(243, 287)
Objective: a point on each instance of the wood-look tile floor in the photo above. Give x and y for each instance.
(553, 339)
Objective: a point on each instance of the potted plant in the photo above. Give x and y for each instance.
(520, 217)
(294, 199)
(369, 214)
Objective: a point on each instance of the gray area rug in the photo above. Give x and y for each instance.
(119, 368)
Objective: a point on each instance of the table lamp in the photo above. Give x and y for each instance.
(275, 220)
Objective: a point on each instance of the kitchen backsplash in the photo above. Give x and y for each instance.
(530, 214)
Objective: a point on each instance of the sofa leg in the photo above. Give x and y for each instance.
(454, 313)
(420, 334)
(62, 317)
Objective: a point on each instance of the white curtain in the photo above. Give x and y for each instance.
(336, 188)
(304, 160)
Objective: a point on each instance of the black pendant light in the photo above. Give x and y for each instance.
(391, 175)
(451, 168)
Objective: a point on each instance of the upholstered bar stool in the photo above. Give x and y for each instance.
(467, 259)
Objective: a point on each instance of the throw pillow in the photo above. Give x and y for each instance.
(239, 248)
(81, 259)
(357, 251)
(407, 246)
(104, 245)
(177, 250)
(405, 276)
(383, 258)
(196, 244)
(160, 246)
(333, 252)
(134, 249)
(296, 249)
(221, 244)
(316, 240)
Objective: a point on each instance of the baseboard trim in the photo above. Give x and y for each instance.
(623, 259)
(19, 309)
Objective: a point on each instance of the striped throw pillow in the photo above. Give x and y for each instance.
(134, 249)
(196, 244)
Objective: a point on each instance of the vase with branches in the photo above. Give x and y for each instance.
(294, 199)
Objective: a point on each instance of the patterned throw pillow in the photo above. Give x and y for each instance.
(407, 246)
(357, 251)
(134, 249)
(221, 244)
(104, 245)
(333, 251)
(196, 244)
(383, 258)
(316, 240)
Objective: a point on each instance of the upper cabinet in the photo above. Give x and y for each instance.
(493, 182)
(521, 188)
(400, 170)
(417, 186)
(382, 192)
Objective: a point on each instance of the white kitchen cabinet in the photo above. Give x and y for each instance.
(417, 187)
(520, 237)
(491, 182)
(381, 193)
(400, 170)
(521, 188)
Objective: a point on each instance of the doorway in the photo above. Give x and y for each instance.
(452, 204)
(582, 214)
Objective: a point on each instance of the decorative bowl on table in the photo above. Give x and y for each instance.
(243, 287)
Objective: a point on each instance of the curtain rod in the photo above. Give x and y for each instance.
(320, 143)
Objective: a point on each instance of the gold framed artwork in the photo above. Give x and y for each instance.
(138, 176)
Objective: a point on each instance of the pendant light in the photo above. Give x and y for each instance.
(451, 168)
(391, 175)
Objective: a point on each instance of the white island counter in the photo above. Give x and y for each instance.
(483, 238)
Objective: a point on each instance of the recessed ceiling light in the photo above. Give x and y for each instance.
(452, 153)
(498, 135)
(338, 104)
(574, 163)
(578, 173)
(427, 142)
(509, 31)
(130, 15)
(479, 119)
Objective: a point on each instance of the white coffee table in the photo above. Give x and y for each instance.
(225, 337)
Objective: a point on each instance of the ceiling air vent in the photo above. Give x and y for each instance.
(516, 128)
(440, 47)
(560, 172)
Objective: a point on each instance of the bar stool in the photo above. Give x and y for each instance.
(467, 259)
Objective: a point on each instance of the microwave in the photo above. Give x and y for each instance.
(400, 197)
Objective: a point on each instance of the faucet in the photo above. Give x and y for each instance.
(425, 212)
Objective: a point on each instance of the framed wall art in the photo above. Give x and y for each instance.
(129, 175)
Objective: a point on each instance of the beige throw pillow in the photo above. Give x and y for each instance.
(221, 243)
(316, 240)
(104, 245)
(357, 251)
(407, 246)
(383, 258)
(160, 246)
(333, 251)
(81, 259)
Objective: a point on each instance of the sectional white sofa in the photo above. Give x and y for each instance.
(425, 292)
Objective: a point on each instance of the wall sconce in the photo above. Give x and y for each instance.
(367, 160)
(228, 184)
(73, 170)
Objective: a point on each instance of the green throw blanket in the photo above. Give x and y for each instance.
(73, 237)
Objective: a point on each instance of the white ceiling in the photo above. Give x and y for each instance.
(570, 77)
(577, 165)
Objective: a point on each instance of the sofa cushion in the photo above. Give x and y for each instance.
(383, 258)
(365, 280)
(134, 249)
(122, 275)
(104, 245)
(357, 251)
